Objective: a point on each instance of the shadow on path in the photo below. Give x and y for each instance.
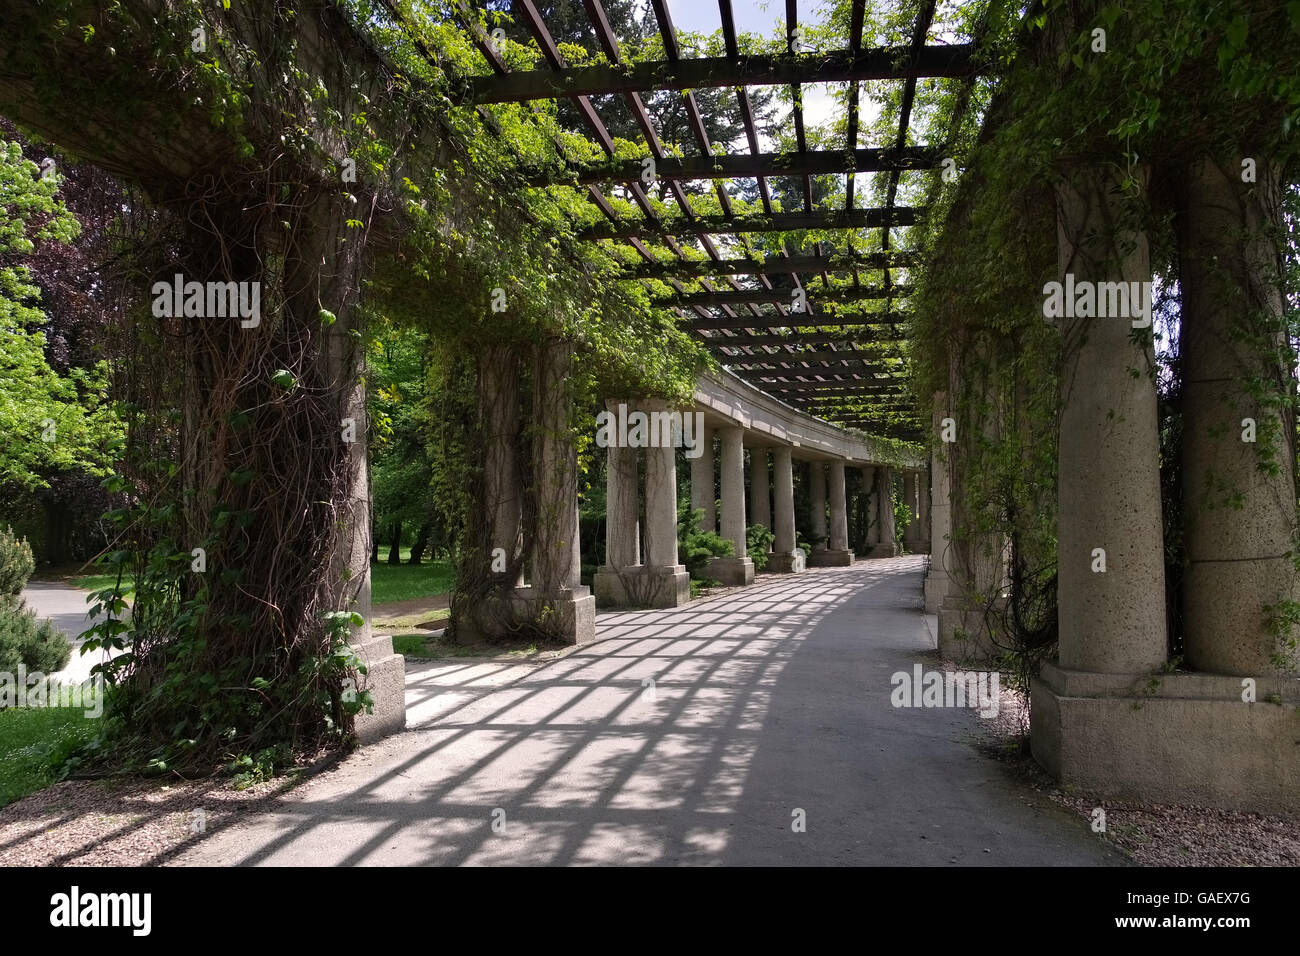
(763, 701)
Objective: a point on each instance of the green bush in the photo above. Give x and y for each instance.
(16, 565)
(758, 540)
(38, 645)
(696, 547)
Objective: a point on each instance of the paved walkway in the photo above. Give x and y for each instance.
(766, 701)
(66, 606)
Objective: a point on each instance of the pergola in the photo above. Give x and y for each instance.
(766, 318)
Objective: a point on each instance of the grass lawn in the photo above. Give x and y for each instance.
(97, 582)
(439, 646)
(388, 582)
(401, 582)
(35, 739)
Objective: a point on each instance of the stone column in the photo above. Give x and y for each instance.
(912, 498)
(817, 507)
(923, 511)
(837, 553)
(1239, 517)
(1111, 621)
(887, 546)
(702, 484)
(938, 580)
(622, 544)
(786, 558)
(740, 568)
(873, 511)
(760, 496)
(553, 603)
(624, 581)
(498, 397)
(667, 582)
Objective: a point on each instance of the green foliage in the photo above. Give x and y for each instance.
(34, 743)
(696, 547)
(16, 565)
(758, 541)
(902, 516)
(48, 422)
(38, 645)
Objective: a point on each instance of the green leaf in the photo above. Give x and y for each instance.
(284, 379)
(1236, 32)
(326, 316)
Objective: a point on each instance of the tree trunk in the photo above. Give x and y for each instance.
(420, 543)
(395, 543)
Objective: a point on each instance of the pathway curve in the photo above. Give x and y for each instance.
(66, 606)
(766, 701)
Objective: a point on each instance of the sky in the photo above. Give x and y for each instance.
(756, 16)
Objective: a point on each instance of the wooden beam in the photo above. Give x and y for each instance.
(777, 265)
(777, 222)
(881, 63)
(716, 300)
(743, 165)
(815, 321)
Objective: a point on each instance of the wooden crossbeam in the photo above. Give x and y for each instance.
(708, 166)
(828, 357)
(819, 321)
(875, 218)
(774, 296)
(881, 63)
(777, 265)
(797, 339)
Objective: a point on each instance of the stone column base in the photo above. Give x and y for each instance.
(964, 633)
(567, 616)
(732, 571)
(386, 680)
(830, 559)
(641, 586)
(1170, 738)
(786, 562)
(937, 582)
(888, 549)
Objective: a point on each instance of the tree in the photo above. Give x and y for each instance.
(49, 422)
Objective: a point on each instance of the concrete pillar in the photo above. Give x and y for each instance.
(1111, 621)
(554, 602)
(661, 581)
(923, 511)
(887, 546)
(702, 483)
(837, 553)
(938, 579)
(786, 558)
(740, 568)
(839, 526)
(498, 398)
(817, 505)
(760, 492)
(873, 509)
(1239, 515)
(622, 544)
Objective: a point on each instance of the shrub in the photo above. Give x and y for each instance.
(758, 540)
(16, 566)
(696, 547)
(38, 645)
